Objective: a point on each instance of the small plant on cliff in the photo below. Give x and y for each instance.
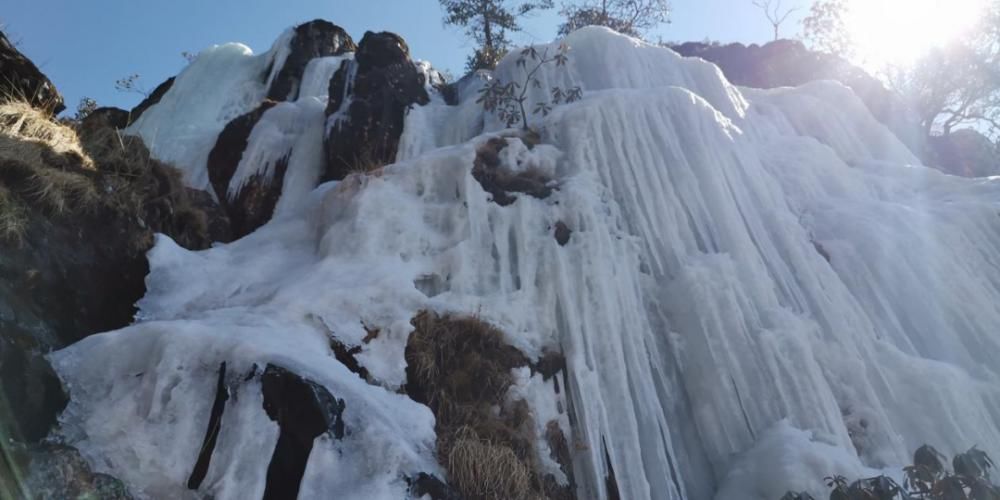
(131, 83)
(508, 99)
(926, 479)
(84, 108)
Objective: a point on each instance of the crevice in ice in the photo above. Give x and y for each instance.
(515, 270)
(674, 475)
(212, 433)
(431, 285)
(743, 409)
(303, 411)
(820, 249)
(610, 482)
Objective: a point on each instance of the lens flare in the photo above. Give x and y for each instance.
(897, 32)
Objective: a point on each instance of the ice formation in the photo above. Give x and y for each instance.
(761, 288)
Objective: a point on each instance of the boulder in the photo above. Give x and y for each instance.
(367, 112)
(22, 79)
(317, 38)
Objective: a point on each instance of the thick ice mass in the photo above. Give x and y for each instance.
(761, 288)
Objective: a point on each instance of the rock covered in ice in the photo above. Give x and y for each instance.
(369, 98)
(751, 276)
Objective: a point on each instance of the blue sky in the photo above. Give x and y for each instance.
(85, 45)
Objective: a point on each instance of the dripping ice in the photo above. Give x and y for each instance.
(712, 348)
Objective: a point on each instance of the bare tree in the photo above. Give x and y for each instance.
(488, 22)
(629, 17)
(774, 13)
(825, 28)
(957, 85)
(131, 84)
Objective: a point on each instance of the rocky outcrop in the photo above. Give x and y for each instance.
(317, 38)
(23, 80)
(254, 204)
(964, 152)
(50, 471)
(369, 97)
(106, 116)
(153, 98)
(78, 211)
(788, 63)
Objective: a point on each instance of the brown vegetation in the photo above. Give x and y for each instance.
(49, 167)
(461, 368)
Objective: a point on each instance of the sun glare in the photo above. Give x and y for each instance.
(899, 31)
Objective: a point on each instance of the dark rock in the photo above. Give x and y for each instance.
(386, 83)
(303, 410)
(317, 38)
(22, 79)
(216, 219)
(54, 472)
(500, 181)
(347, 357)
(560, 452)
(549, 364)
(116, 118)
(254, 204)
(562, 234)
(31, 395)
(212, 432)
(427, 484)
(964, 152)
(153, 98)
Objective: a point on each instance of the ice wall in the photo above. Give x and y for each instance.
(761, 288)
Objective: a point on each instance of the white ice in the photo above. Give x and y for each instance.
(712, 348)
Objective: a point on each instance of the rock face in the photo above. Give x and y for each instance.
(788, 63)
(303, 410)
(368, 100)
(22, 78)
(314, 39)
(77, 213)
(252, 203)
(56, 472)
(369, 97)
(964, 152)
(153, 98)
(255, 202)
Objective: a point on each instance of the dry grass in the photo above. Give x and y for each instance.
(13, 219)
(481, 469)
(460, 367)
(19, 119)
(42, 164)
(48, 166)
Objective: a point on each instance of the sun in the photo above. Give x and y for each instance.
(898, 32)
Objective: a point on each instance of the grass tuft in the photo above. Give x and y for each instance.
(460, 367)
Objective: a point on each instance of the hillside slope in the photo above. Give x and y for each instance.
(728, 275)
